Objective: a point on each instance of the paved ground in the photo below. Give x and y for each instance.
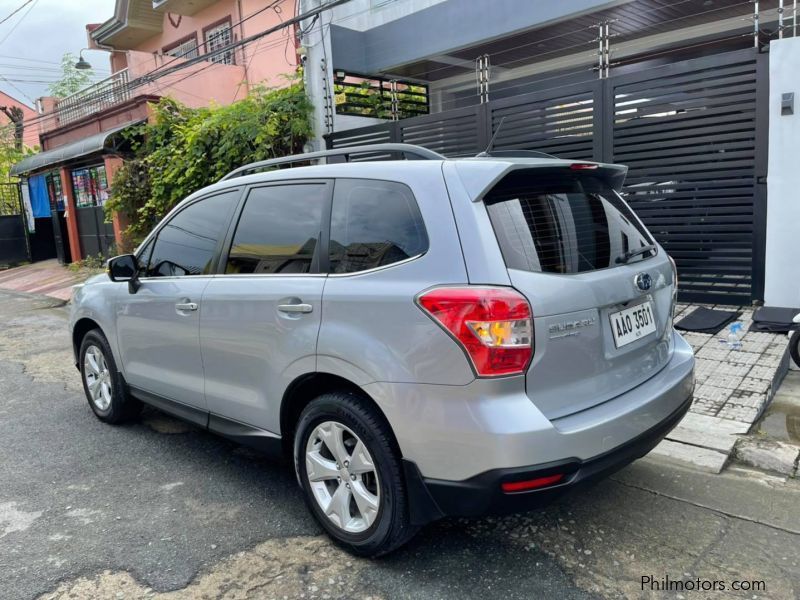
(45, 277)
(159, 509)
(733, 389)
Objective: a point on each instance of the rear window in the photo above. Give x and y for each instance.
(556, 222)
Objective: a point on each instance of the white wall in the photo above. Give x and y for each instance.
(782, 274)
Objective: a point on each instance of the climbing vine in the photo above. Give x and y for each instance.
(184, 149)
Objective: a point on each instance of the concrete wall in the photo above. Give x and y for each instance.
(782, 276)
(196, 85)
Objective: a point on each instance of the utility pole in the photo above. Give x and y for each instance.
(17, 117)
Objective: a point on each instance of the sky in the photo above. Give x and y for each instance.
(33, 41)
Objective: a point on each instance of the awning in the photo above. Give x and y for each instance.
(98, 142)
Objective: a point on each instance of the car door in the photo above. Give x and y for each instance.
(158, 326)
(261, 317)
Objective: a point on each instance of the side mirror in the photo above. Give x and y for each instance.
(124, 268)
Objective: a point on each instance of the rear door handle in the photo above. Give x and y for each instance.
(186, 306)
(295, 308)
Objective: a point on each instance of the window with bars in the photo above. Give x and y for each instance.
(219, 36)
(184, 49)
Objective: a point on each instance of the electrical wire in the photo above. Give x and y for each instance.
(151, 76)
(21, 19)
(24, 4)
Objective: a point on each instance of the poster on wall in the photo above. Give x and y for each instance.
(90, 186)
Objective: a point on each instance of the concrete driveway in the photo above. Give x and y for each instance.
(160, 509)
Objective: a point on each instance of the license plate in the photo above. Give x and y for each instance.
(632, 324)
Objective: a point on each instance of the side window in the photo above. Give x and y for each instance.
(185, 245)
(278, 229)
(143, 255)
(374, 224)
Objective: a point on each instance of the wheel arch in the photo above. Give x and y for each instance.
(82, 326)
(305, 388)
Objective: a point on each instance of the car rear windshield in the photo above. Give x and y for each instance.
(556, 222)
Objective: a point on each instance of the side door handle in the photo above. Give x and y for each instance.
(189, 306)
(295, 308)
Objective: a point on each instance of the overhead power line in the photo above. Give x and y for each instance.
(24, 4)
(160, 72)
(21, 19)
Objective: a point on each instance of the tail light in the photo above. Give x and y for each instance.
(493, 325)
(584, 166)
(674, 283)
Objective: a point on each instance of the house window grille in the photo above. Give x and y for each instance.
(217, 37)
(186, 49)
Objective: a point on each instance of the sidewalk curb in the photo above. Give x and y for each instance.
(768, 455)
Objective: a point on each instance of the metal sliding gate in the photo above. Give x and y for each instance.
(693, 134)
(13, 236)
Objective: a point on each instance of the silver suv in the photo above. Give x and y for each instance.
(427, 338)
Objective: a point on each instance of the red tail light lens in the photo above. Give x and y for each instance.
(583, 167)
(493, 325)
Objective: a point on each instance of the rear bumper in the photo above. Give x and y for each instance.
(458, 433)
(482, 494)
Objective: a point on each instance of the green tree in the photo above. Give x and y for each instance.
(10, 153)
(185, 149)
(72, 79)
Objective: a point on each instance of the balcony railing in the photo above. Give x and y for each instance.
(100, 96)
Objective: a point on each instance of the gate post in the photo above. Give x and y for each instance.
(119, 220)
(483, 118)
(72, 214)
(760, 174)
(603, 120)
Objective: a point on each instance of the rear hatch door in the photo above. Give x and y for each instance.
(599, 287)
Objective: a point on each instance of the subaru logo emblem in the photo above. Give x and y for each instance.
(643, 281)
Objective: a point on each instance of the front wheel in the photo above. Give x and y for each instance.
(102, 382)
(794, 347)
(351, 474)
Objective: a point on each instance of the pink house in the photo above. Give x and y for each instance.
(189, 50)
(30, 132)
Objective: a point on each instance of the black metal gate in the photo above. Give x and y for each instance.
(693, 134)
(13, 235)
(96, 236)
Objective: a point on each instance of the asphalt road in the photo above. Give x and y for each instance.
(158, 508)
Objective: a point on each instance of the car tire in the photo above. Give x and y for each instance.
(102, 382)
(372, 517)
(794, 347)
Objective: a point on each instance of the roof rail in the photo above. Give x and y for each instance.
(406, 149)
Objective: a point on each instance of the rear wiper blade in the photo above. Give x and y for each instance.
(636, 252)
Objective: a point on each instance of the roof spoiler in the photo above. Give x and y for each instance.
(479, 177)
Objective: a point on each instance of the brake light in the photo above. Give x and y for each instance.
(531, 484)
(674, 284)
(583, 166)
(493, 325)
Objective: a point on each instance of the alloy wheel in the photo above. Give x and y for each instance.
(343, 477)
(98, 377)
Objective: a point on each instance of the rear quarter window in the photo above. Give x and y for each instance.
(374, 224)
(556, 222)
